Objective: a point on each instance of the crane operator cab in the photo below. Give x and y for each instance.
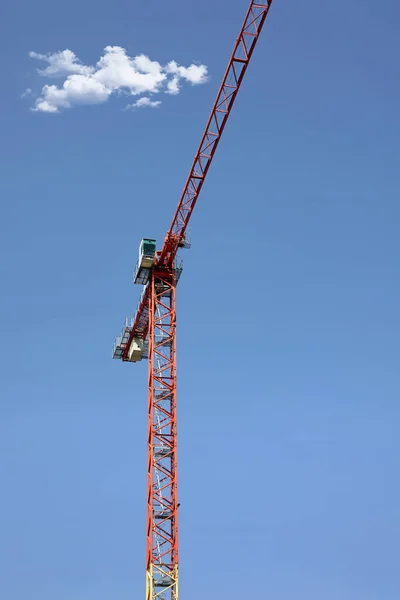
(147, 252)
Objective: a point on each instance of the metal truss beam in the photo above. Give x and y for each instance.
(162, 488)
(226, 96)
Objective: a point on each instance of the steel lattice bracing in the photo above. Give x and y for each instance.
(240, 58)
(162, 499)
(155, 322)
(234, 74)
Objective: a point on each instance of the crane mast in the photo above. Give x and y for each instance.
(151, 333)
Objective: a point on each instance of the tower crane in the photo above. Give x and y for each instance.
(151, 333)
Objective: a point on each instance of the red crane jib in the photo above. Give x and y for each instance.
(233, 77)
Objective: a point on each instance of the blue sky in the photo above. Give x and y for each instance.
(288, 306)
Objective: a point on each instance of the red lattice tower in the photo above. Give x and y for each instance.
(152, 332)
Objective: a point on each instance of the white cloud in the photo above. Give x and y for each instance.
(195, 74)
(143, 102)
(26, 93)
(61, 63)
(173, 86)
(115, 72)
(77, 89)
